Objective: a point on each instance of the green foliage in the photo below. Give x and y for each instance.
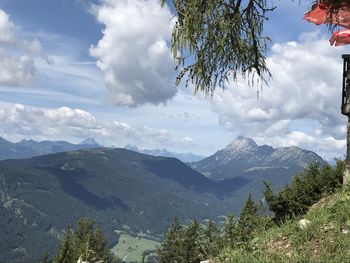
(224, 37)
(248, 220)
(305, 189)
(229, 231)
(213, 40)
(86, 242)
(210, 243)
(190, 243)
(326, 239)
(254, 238)
(102, 185)
(66, 248)
(195, 242)
(170, 250)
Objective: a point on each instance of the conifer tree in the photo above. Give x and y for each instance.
(86, 243)
(66, 248)
(224, 39)
(229, 233)
(305, 189)
(248, 220)
(190, 248)
(99, 244)
(210, 243)
(170, 249)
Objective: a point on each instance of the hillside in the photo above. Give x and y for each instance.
(30, 148)
(309, 221)
(325, 239)
(120, 189)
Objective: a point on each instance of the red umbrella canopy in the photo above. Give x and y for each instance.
(320, 14)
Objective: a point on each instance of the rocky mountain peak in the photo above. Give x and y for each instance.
(241, 143)
(89, 141)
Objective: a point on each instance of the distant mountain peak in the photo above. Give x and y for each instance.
(132, 147)
(184, 157)
(241, 143)
(89, 141)
(26, 140)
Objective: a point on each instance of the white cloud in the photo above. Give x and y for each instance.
(22, 121)
(328, 147)
(133, 53)
(27, 120)
(16, 55)
(300, 107)
(16, 71)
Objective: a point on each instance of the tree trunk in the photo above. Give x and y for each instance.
(346, 177)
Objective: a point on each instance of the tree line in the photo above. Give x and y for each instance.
(195, 242)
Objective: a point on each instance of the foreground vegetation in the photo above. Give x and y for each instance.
(86, 243)
(256, 237)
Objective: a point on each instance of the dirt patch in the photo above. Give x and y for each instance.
(281, 245)
(315, 248)
(322, 202)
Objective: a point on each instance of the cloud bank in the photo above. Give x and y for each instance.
(300, 107)
(20, 121)
(133, 53)
(16, 55)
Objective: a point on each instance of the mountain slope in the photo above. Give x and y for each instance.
(184, 157)
(31, 148)
(116, 187)
(243, 157)
(244, 160)
(322, 236)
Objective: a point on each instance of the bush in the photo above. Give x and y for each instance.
(305, 189)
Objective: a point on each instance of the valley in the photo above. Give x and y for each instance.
(123, 189)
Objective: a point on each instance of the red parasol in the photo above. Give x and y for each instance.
(318, 16)
(340, 38)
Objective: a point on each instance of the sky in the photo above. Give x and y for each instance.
(74, 69)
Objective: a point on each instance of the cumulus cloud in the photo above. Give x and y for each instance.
(328, 147)
(133, 53)
(27, 120)
(23, 121)
(16, 55)
(301, 106)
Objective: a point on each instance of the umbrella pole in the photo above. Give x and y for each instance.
(346, 176)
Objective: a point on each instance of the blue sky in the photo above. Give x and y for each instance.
(72, 69)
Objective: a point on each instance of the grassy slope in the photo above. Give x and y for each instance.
(326, 239)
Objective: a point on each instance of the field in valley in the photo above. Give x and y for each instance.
(131, 248)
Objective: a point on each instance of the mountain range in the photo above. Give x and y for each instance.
(183, 157)
(118, 188)
(247, 162)
(126, 190)
(30, 148)
(243, 157)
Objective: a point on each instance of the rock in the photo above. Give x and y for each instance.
(344, 231)
(303, 223)
(206, 261)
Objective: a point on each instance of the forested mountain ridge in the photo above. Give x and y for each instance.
(30, 148)
(118, 188)
(183, 157)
